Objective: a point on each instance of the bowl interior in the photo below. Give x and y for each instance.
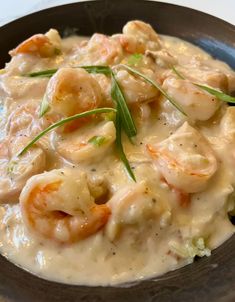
(210, 278)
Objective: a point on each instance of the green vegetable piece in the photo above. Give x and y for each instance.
(98, 140)
(119, 146)
(125, 115)
(135, 59)
(44, 107)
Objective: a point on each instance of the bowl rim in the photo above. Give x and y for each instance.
(65, 6)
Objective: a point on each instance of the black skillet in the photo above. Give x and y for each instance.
(208, 279)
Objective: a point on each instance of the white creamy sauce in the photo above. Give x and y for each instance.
(155, 225)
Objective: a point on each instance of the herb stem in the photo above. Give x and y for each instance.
(218, 94)
(156, 85)
(64, 121)
(119, 145)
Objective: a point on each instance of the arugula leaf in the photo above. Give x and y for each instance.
(125, 115)
(44, 107)
(62, 122)
(98, 140)
(156, 85)
(135, 58)
(218, 94)
(119, 146)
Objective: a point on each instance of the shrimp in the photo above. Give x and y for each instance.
(137, 90)
(42, 45)
(15, 171)
(21, 126)
(185, 159)
(87, 145)
(59, 206)
(196, 103)
(213, 78)
(131, 206)
(71, 91)
(228, 123)
(24, 121)
(138, 37)
(100, 50)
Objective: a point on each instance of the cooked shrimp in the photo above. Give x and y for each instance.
(41, 45)
(71, 91)
(15, 171)
(100, 50)
(87, 145)
(228, 123)
(163, 58)
(24, 121)
(185, 159)
(196, 103)
(58, 206)
(214, 78)
(131, 206)
(136, 90)
(138, 37)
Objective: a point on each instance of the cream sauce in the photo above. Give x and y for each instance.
(150, 231)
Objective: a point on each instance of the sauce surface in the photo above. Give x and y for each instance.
(69, 210)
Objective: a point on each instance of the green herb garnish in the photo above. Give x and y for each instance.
(135, 59)
(156, 85)
(97, 140)
(64, 121)
(57, 51)
(97, 69)
(178, 73)
(119, 146)
(44, 107)
(42, 74)
(125, 115)
(11, 166)
(91, 69)
(116, 93)
(218, 94)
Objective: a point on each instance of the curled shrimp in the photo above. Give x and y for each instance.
(58, 206)
(71, 91)
(185, 159)
(214, 78)
(41, 45)
(100, 50)
(196, 103)
(88, 144)
(138, 37)
(131, 206)
(137, 90)
(21, 126)
(15, 171)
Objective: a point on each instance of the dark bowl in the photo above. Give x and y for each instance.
(207, 279)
